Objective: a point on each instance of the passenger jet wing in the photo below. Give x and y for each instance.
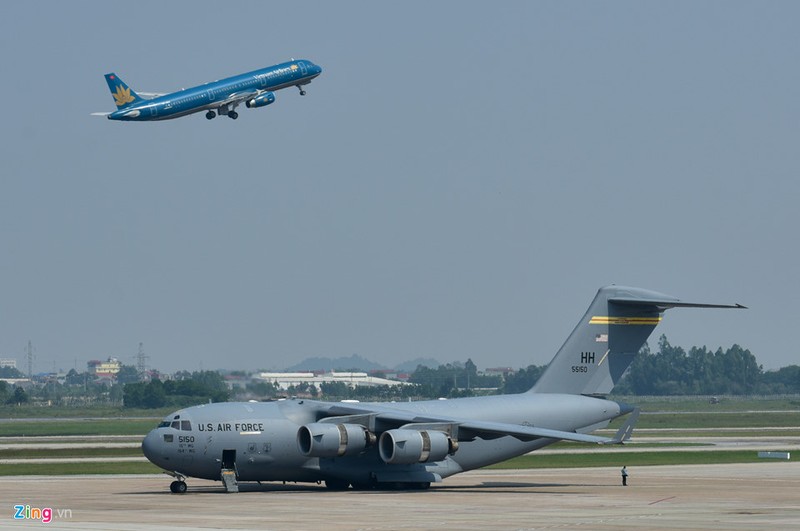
(239, 97)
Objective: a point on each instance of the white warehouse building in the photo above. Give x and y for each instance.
(353, 379)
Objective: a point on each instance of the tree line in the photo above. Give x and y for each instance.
(670, 370)
(673, 371)
(186, 390)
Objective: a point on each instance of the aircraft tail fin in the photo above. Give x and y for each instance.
(124, 96)
(605, 341)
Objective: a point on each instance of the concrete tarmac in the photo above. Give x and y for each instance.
(748, 496)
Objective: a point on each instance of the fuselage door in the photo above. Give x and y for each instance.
(229, 459)
(303, 68)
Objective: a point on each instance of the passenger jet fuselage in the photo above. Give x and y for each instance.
(254, 89)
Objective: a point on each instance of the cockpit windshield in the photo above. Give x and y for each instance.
(183, 425)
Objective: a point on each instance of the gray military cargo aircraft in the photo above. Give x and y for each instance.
(408, 445)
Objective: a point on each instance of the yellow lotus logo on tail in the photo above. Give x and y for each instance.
(122, 96)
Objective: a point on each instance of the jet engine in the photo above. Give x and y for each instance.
(262, 100)
(404, 446)
(333, 440)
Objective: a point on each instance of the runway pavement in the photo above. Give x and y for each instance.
(750, 496)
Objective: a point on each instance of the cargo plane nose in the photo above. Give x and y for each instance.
(150, 446)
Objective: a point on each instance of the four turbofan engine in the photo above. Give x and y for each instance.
(333, 440)
(405, 446)
(396, 447)
(262, 100)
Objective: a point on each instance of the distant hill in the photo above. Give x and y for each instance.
(411, 366)
(337, 364)
(358, 363)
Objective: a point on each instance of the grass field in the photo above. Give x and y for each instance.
(141, 426)
(695, 404)
(648, 404)
(715, 419)
(35, 453)
(596, 459)
(77, 427)
(61, 469)
(26, 411)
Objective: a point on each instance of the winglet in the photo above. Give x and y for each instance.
(626, 430)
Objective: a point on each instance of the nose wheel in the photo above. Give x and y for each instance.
(177, 487)
(302, 92)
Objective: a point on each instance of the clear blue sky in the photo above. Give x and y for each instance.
(457, 184)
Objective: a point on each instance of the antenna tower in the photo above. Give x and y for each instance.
(29, 353)
(141, 362)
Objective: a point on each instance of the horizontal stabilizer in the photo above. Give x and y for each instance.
(662, 304)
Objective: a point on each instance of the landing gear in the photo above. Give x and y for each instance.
(302, 92)
(233, 115)
(210, 115)
(177, 487)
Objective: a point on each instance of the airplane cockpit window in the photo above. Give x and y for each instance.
(186, 425)
(176, 424)
(164, 424)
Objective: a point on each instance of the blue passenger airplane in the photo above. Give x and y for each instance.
(254, 89)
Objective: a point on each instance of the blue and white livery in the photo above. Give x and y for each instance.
(254, 89)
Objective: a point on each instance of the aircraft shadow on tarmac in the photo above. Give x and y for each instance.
(498, 486)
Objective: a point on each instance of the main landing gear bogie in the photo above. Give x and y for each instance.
(177, 487)
(210, 115)
(233, 115)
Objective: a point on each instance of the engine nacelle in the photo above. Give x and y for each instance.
(262, 100)
(405, 446)
(333, 440)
